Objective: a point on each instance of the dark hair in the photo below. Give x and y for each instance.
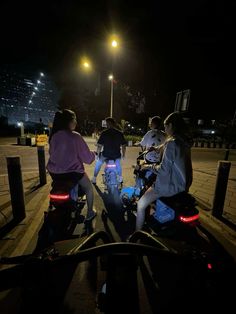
(179, 126)
(110, 121)
(157, 121)
(62, 120)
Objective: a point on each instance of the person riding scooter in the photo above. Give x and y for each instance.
(174, 174)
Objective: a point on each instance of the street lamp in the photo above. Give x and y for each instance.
(111, 78)
(85, 64)
(22, 129)
(114, 43)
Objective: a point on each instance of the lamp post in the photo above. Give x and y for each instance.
(111, 78)
(114, 45)
(22, 129)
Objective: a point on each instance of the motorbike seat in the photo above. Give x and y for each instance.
(180, 200)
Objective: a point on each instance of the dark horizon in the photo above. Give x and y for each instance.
(167, 47)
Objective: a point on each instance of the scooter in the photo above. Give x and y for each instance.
(110, 177)
(64, 213)
(167, 214)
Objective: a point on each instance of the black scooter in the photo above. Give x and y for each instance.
(63, 214)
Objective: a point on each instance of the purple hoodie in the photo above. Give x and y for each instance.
(68, 151)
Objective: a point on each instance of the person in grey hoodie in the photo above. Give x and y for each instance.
(174, 173)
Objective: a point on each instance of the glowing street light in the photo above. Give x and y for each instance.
(41, 74)
(114, 43)
(86, 64)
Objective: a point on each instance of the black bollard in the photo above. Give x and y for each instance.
(220, 188)
(16, 188)
(42, 167)
(226, 154)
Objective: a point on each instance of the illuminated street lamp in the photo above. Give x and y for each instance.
(114, 43)
(86, 64)
(22, 129)
(111, 78)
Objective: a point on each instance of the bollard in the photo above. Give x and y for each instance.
(226, 154)
(42, 167)
(16, 188)
(220, 188)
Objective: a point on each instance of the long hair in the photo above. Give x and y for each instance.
(61, 121)
(179, 126)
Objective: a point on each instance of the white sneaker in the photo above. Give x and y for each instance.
(120, 179)
(94, 180)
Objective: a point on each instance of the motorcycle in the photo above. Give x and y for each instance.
(66, 202)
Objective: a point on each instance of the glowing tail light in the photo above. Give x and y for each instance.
(189, 219)
(209, 266)
(111, 166)
(59, 197)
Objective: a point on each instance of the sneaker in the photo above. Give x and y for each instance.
(94, 180)
(120, 179)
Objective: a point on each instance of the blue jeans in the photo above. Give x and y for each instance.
(101, 161)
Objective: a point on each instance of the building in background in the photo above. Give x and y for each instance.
(27, 96)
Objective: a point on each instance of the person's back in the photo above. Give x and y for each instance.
(174, 174)
(112, 140)
(68, 152)
(113, 143)
(153, 137)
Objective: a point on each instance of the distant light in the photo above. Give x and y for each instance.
(114, 43)
(30, 101)
(86, 65)
(38, 81)
(19, 123)
(209, 266)
(128, 124)
(12, 106)
(41, 74)
(212, 132)
(33, 93)
(140, 129)
(36, 87)
(132, 127)
(110, 77)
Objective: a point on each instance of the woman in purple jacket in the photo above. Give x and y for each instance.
(68, 151)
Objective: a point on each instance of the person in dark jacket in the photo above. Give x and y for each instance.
(111, 145)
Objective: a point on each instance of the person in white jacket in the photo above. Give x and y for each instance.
(153, 137)
(174, 173)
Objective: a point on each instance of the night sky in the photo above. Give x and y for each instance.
(167, 46)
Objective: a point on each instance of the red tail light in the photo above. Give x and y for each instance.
(59, 197)
(209, 266)
(189, 219)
